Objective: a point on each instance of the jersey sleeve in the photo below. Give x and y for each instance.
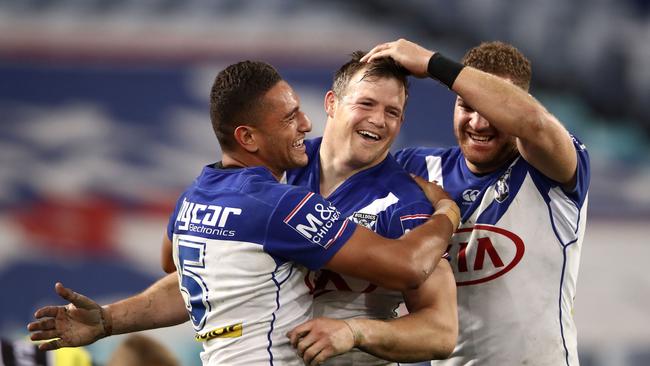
(409, 159)
(583, 173)
(307, 229)
(173, 216)
(407, 218)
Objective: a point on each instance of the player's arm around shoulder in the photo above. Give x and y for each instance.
(404, 263)
(428, 332)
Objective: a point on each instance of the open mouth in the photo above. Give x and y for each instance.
(369, 135)
(299, 143)
(480, 138)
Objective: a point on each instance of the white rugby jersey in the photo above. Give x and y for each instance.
(383, 198)
(239, 238)
(515, 258)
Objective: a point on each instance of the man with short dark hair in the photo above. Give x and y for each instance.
(242, 242)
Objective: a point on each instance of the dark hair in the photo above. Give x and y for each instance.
(500, 59)
(236, 95)
(380, 68)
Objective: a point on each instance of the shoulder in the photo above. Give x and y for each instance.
(419, 155)
(396, 180)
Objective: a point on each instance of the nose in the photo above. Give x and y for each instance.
(304, 124)
(378, 119)
(478, 123)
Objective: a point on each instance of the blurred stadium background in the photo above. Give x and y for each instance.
(104, 116)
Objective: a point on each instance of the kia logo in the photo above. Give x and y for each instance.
(484, 252)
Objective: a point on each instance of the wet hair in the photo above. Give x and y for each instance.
(500, 59)
(236, 96)
(380, 68)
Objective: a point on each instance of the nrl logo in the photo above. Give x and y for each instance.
(501, 188)
(365, 219)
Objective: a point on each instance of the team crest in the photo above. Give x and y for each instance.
(365, 219)
(501, 188)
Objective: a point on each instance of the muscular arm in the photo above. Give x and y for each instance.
(428, 332)
(405, 263)
(541, 138)
(166, 259)
(83, 321)
(160, 305)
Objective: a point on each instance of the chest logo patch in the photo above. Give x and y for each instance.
(470, 195)
(483, 253)
(501, 188)
(365, 219)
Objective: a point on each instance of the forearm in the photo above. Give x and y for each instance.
(405, 339)
(434, 235)
(428, 332)
(160, 305)
(508, 107)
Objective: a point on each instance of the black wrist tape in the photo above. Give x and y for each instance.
(443, 69)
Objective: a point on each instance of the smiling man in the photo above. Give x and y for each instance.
(521, 181)
(243, 241)
(351, 167)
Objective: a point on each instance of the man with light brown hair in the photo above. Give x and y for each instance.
(521, 181)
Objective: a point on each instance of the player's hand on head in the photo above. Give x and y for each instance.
(82, 321)
(319, 339)
(413, 57)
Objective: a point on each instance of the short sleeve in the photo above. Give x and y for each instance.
(583, 173)
(407, 218)
(306, 228)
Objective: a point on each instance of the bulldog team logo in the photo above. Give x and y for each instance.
(365, 219)
(501, 188)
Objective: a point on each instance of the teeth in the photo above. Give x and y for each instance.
(480, 138)
(298, 143)
(369, 134)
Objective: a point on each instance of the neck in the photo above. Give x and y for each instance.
(335, 168)
(233, 159)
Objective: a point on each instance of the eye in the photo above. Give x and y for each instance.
(394, 113)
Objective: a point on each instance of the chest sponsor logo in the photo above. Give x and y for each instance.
(314, 219)
(206, 219)
(483, 253)
(365, 219)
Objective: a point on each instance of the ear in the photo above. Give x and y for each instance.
(245, 137)
(331, 101)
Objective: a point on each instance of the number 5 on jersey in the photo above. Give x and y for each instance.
(191, 256)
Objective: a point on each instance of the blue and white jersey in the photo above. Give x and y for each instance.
(515, 258)
(384, 199)
(240, 240)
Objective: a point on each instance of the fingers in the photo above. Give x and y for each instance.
(44, 324)
(44, 335)
(47, 311)
(295, 334)
(75, 298)
(421, 182)
(51, 345)
(372, 54)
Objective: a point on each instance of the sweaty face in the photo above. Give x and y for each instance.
(485, 148)
(364, 121)
(281, 132)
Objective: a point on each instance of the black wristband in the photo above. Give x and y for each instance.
(443, 69)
